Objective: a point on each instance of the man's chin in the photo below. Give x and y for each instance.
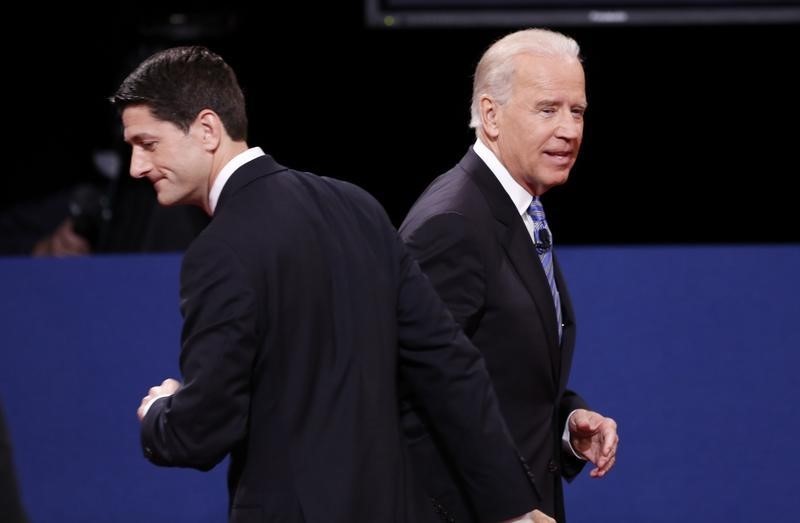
(165, 200)
(558, 178)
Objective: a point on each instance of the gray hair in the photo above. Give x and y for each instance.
(496, 67)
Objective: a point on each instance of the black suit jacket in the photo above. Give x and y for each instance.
(470, 240)
(295, 298)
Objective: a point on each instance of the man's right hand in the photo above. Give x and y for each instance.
(168, 387)
(537, 516)
(64, 241)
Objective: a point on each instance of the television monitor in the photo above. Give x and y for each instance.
(516, 13)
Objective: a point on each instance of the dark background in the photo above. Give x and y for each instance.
(690, 135)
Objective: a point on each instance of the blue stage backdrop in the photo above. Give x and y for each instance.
(694, 350)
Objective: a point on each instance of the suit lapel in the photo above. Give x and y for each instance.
(568, 335)
(519, 248)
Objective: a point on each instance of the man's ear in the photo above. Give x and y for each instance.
(209, 128)
(488, 108)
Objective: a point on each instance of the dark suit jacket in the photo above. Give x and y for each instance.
(295, 298)
(472, 243)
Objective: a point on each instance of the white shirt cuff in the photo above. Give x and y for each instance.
(150, 403)
(565, 443)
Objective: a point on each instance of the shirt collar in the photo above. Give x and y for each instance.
(226, 172)
(519, 196)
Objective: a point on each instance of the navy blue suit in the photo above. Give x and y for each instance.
(295, 299)
(470, 240)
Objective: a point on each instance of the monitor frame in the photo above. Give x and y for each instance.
(485, 13)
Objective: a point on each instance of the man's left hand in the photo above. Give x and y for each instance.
(595, 437)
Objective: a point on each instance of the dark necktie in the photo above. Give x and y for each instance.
(544, 247)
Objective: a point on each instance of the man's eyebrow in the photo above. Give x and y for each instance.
(139, 137)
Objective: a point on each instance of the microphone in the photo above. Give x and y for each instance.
(544, 241)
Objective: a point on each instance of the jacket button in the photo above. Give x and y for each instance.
(552, 466)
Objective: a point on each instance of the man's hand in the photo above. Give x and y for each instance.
(541, 517)
(537, 516)
(595, 437)
(167, 388)
(64, 241)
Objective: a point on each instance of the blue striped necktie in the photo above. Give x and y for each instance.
(544, 247)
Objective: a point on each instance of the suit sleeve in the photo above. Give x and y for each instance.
(198, 425)
(570, 465)
(446, 374)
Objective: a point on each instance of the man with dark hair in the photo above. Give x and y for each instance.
(295, 299)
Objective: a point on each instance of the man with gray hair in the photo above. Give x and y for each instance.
(480, 233)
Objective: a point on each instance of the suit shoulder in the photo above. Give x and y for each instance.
(350, 190)
(452, 197)
(356, 198)
(454, 190)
